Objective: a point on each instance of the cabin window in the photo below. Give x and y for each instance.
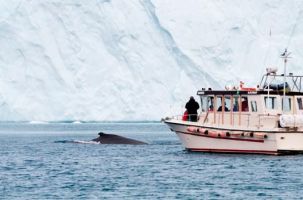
(271, 102)
(287, 105)
(253, 105)
(223, 104)
(235, 103)
(204, 103)
(227, 103)
(210, 103)
(219, 104)
(300, 105)
(244, 104)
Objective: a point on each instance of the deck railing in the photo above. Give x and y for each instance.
(183, 118)
(245, 119)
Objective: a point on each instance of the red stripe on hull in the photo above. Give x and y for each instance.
(233, 151)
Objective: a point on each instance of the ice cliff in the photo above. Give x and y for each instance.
(136, 59)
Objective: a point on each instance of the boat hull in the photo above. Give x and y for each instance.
(199, 138)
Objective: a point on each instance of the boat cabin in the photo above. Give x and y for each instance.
(252, 107)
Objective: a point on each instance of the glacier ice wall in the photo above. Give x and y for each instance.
(137, 59)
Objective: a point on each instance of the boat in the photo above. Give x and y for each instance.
(266, 119)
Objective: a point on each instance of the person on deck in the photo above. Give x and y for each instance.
(225, 108)
(192, 106)
(244, 105)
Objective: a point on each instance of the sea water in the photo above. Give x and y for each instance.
(43, 161)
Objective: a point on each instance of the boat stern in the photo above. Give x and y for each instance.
(289, 142)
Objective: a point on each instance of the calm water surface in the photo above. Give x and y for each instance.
(40, 161)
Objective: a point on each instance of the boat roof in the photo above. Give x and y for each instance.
(243, 92)
(294, 87)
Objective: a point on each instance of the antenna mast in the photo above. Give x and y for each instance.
(285, 57)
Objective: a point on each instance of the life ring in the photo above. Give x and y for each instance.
(217, 134)
(236, 134)
(200, 130)
(192, 129)
(247, 134)
(261, 135)
(213, 134)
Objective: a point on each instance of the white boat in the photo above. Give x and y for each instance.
(267, 119)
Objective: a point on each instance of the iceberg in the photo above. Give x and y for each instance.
(133, 60)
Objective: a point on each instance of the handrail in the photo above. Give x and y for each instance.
(247, 118)
(296, 80)
(180, 117)
(266, 115)
(242, 113)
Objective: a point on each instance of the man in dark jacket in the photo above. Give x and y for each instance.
(192, 106)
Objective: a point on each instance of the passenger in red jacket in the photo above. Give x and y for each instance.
(192, 106)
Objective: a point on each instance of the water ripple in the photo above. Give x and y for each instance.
(52, 166)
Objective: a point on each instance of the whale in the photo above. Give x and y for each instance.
(105, 138)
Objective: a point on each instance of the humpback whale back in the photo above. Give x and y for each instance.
(105, 138)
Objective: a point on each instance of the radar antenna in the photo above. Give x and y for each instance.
(285, 56)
